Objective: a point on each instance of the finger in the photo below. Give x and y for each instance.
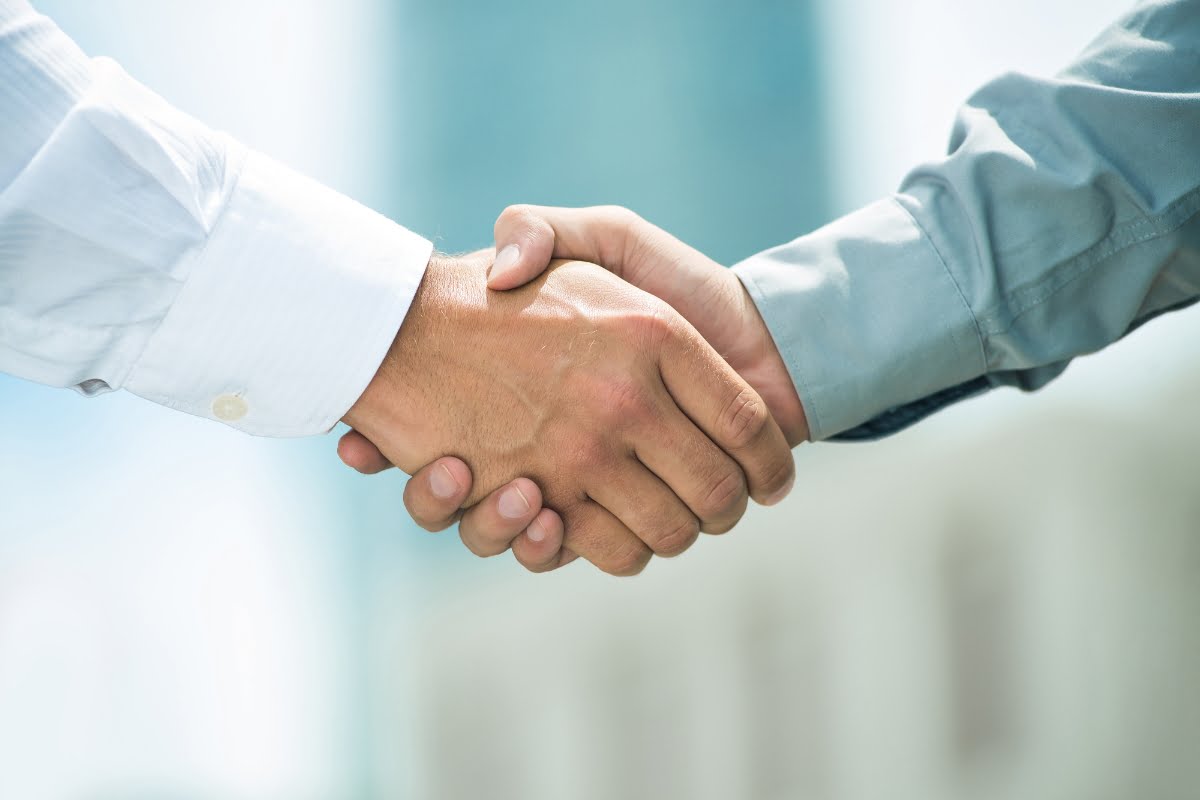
(488, 529)
(359, 453)
(436, 492)
(733, 415)
(598, 536)
(524, 248)
(701, 474)
(648, 508)
(528, 237)
(539, 547)
(613, 237)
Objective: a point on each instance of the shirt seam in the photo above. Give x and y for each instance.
(1126, 236)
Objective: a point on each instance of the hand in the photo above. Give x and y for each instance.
(589, 387)
(511, 516)
(708, 295)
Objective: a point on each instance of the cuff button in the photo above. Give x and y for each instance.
(229, 408)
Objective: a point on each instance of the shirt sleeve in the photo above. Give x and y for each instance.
(1064, 216)
(140, 250)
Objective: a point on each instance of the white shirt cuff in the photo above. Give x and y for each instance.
(288, 310)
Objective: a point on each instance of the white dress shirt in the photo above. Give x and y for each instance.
(140, 250)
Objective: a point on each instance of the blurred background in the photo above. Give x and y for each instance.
(999, 603)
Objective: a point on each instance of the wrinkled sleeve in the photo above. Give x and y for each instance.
(140, 250)
(1063, 217)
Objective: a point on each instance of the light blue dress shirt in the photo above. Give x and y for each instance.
(1064, 216)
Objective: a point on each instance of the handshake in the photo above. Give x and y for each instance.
(612, 410)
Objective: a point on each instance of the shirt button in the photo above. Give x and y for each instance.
(229, 408)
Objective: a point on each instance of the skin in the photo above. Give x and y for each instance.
(637, 433)
(705, 293)
(711, 297)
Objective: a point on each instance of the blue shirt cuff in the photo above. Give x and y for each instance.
(869, 321)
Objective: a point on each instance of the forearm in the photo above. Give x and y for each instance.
(141, 250)
(1064, 216)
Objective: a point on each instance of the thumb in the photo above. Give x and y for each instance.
(529, 237)
(524, 248)
(613, 237)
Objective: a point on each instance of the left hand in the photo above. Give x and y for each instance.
(510, 517)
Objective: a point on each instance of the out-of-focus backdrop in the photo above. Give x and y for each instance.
(1000, 603)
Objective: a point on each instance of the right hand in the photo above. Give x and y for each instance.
(705, 293)
(638, 433)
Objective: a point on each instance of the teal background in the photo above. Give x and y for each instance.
(704, 116)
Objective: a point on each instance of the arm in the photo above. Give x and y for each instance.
(141, 250)
(1064, 216)
(639, 434)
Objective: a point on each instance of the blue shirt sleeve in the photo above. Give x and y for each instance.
(1063, 217)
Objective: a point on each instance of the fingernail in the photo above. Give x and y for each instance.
(513, 504)
(782, 493)
(506, 259)
(442, 483)
(536, 532)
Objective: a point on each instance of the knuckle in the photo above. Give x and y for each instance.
(622, 234)
(514, 214)
(427, 517)
(479, 545)
(744, 419)
(779, 474)
(677, 537)
(526, 224)
(532, 564)
(720, 528)
(628, 562)
(620, 216)
(469, 543)
(587, 451)
(724, 496)
(622, 400)
(433, 526)
(654, 325)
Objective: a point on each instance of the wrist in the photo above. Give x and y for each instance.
(450, 289)
(769, 374)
